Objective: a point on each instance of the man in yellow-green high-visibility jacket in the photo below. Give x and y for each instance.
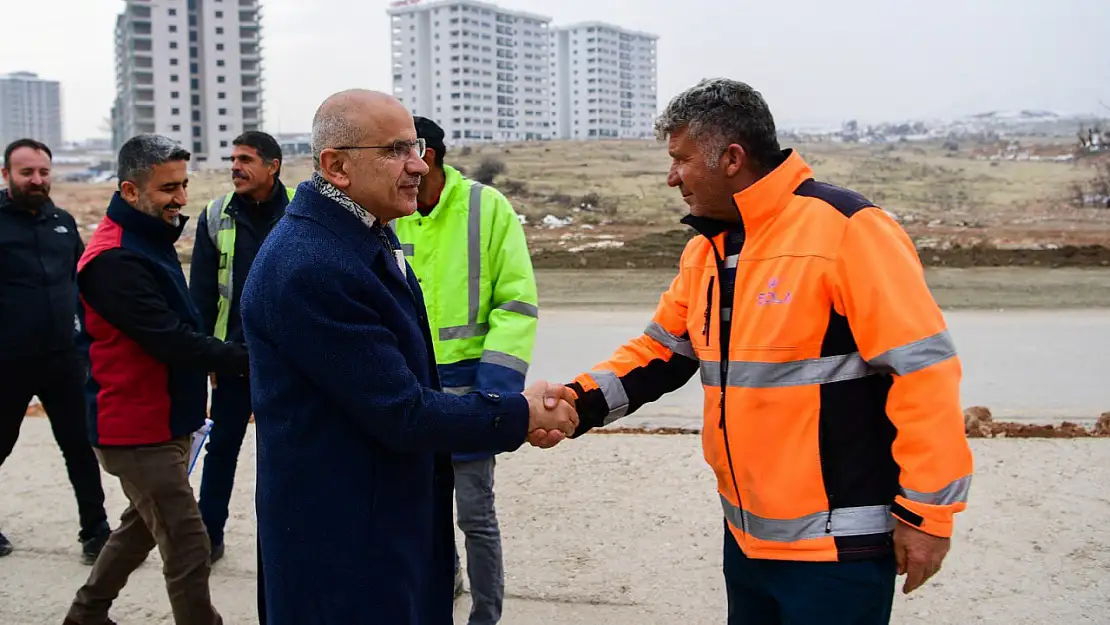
(230, 232)
(467, 247)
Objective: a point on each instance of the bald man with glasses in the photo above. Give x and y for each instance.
(355, 432)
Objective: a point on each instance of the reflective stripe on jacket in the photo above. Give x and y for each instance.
(471, 257)
(836, 407)
(221, 232)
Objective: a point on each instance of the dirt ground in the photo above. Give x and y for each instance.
(626, 530)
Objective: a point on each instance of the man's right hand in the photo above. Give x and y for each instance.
(551, 413)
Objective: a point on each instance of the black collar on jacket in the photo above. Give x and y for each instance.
(146, 226)
(273, 206)
(709, 227)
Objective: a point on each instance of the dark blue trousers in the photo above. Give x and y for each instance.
(261, 598)
(775, 592)
(231, 411)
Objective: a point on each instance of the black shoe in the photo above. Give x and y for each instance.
(91, 547)
(5, 546)
(217, 553)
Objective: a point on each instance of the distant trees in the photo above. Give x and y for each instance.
(489, 168)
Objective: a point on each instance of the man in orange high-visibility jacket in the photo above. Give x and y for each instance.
(832, 416)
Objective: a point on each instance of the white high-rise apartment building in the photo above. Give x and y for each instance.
(605, 82)
(30, 107)
(190, 70)
(479, 71)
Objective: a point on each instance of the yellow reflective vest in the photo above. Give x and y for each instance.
(221, 231)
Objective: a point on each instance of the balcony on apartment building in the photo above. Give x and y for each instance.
(139, 14)
(248, 17)
(142, 29)
(144, 113)
(250, 68)
(252, 87)
(250, 51)
(142, 77)
(142, 95)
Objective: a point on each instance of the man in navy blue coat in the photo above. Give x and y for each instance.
(354, 485)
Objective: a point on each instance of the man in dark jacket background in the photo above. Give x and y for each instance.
(229, 233)
(39, 249)
(147, 393)
(354, 478)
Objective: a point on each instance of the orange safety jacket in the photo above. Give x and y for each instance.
(836, 408)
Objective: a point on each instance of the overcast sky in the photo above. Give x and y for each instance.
(816, 61)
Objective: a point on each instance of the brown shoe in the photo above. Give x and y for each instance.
(70, 621)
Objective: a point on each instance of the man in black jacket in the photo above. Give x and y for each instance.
(229, 233)
(39, 249)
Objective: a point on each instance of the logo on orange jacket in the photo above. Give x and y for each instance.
(770, 296)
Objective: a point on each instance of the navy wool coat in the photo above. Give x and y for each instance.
(353, 493)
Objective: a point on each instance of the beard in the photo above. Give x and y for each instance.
(30, 196)
(149, 208)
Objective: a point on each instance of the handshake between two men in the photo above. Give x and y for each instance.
(551, 413)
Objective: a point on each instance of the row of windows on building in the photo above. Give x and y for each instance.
(172, 12)
(248, 98)
(500, 18)
(245, 49)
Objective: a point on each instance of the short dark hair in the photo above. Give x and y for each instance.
(432, 135)
(24, 143)
(142, 152)
(719, 112)
(267, 147)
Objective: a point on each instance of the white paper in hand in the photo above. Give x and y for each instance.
(198, 443)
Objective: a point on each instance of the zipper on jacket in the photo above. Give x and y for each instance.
(829, 495)
(708, 310)
(724, 386)
(45, 342)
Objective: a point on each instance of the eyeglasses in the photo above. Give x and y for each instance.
(399, 149)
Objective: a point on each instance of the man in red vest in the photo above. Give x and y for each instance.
(149, 358)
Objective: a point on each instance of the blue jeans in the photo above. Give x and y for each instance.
(478, 521)
(231, 411)
(776, 592)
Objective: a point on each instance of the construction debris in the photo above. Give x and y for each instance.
(978, 423)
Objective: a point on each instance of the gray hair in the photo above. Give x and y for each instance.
(331, 129)
(139, 155)
(719, 112)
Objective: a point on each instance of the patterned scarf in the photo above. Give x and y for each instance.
(330, 191)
